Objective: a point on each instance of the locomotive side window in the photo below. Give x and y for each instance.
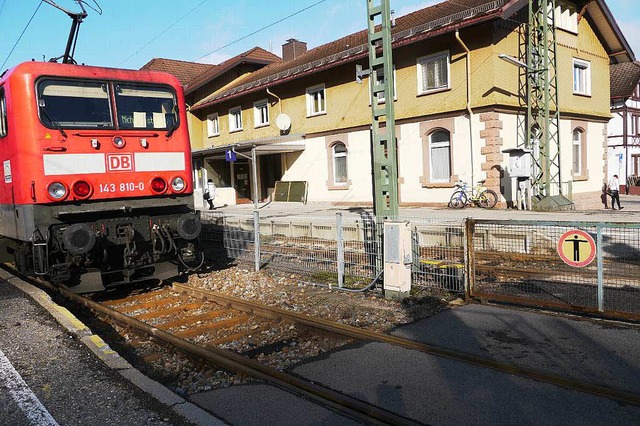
(74, 104)
(145, 107)
(3, 114)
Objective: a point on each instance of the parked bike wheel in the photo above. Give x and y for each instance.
(487, 199)
(458, 200)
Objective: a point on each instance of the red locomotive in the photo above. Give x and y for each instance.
(97, 188)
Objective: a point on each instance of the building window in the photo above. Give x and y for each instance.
(213, 126)
(3, 115)
(433, 72)
(235, 119)
(339, 151)
(581, 77)
(635, 124)
(261, 113)
(316, 100)
(577, 151)
(440, 156)
(579, 170)
(379, 75)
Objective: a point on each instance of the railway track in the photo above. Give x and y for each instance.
(181, 315)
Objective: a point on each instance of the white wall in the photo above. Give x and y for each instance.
(313, 163)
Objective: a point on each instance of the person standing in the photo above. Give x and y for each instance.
(210, 193)
(614, 187)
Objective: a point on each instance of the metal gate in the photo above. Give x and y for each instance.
(519, 261)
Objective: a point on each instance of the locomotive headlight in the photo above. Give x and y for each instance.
(57, 191)
(118, 142)
(177, 184)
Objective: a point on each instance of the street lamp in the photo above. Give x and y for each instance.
(513, 61)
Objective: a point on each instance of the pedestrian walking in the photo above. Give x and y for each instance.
(614, 188)
(210, 193)
(604, 197)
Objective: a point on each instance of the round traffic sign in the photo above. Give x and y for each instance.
(576, 248)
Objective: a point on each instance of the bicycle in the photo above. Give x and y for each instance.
(464, 195)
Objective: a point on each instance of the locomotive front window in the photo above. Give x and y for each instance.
(145, 107)
(74, 104)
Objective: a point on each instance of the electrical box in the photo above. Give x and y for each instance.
(519, 162)
(398, 259)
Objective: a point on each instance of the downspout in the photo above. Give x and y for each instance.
(269, 92)
(469, 111)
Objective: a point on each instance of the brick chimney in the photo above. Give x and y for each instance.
(292, 49)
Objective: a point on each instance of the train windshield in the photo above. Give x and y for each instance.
(74, 104)
(145, 107)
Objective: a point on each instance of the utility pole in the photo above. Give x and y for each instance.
(543, 113)
(383, 128)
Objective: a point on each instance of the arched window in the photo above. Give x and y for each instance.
(576, 142)
(339, 151)
(440, 156)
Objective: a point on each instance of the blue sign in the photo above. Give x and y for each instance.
(230, 155)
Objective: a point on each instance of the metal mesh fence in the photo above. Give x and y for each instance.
(521, 262)
(515, 261)
(299, 245)
(438, 254)
(326, 250)
(620, 248)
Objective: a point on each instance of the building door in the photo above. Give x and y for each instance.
(242, 182)
(270, 173)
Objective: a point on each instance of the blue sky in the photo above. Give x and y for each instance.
(129, 33)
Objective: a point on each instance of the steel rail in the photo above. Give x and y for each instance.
(361, 334)
(345, 404)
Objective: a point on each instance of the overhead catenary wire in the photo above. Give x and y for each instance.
(162, 32)
(261, 29)
(21, 34)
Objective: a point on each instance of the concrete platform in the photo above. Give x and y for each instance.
(53, 370)
(630, 213)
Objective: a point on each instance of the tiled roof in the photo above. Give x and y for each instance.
(423, 23)
(256, 55)
(183, 70)
(624, 78)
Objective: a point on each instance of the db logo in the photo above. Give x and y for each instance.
(120, 162)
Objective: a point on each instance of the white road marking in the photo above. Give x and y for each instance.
(36, 413)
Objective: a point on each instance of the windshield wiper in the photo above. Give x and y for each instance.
(172, 129)
(54, 122)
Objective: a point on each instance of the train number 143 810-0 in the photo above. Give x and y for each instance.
(122, 187)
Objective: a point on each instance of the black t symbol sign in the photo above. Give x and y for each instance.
(576, 247)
